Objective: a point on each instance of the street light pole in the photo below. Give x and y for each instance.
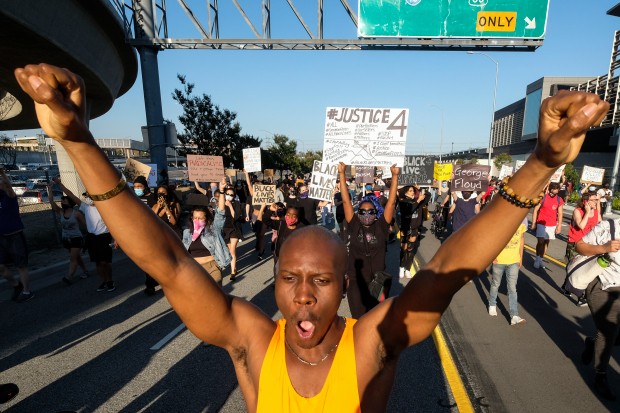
(490, 149)
(441, 135)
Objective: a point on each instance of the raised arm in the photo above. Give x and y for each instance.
(346, 199)
(411, 317)
(247, 179)
(66, 191)
(50, 197)
(210, 314)
(388, 212)
(199, 188)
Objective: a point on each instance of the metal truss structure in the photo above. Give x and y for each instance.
(131, 11)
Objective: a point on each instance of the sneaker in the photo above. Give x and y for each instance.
(260, 257)
(492, 310)
(17, 290)
(602, 387)
(588, 351)
(110, 286)
(23, 297)
(401, 272)
(582, 302)
(516, 320)
(84, 275)
(537, 262)
(102, 287)
(408, 274)
(233, 276)
(66, 280)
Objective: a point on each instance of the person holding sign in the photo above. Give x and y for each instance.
(368, 236)
(312, 358)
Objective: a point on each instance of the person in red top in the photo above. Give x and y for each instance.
(547, 220)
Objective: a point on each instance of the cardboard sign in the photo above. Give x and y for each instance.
(505, 171)
(592, 175)
(268, 172)
(134, 169)
(364, 174)
(442, 171)
(264, 194)
(205, 168)
(151, 180)
(557, 175)
(518, 165)
(471, 178)
(251, 160)
(323, 181)
(364, 136)
(417, 170)
(231, 172)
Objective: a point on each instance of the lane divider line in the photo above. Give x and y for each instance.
(168, 337)
(560, 263)
(451, 372)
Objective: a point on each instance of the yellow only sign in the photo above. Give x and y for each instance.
(496, 21)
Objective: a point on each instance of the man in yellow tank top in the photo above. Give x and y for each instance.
(313, 359)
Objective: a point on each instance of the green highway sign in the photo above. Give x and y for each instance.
(523, 19)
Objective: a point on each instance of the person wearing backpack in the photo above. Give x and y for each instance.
(547, 221)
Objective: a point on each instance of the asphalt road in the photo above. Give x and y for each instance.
(72, 348)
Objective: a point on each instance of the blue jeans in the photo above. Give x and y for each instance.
(512, 273)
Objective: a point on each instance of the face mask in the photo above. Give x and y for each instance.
(366, 220)
(368, 188)
(592, 188)
(139, 192)
(199, 225)
(229, 197)
(290, 221)
(303, 195)
(213, 189)
(444, 185)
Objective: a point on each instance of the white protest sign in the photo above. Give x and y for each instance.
(364, 136)
(152, 178)
(505, 171)
(205, 168)
(263, 194)
(518, 165)
(323, 181)
(133, 169)
(592, 175)
(557, 175)
(251, 160)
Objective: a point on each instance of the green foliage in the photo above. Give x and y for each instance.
(210, 130)
(306, 160)
(502, 159)
(615, 204)
(282, 154)
(472, 161)
(574, 197)
(571, 175)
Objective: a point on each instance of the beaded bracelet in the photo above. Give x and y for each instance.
(111, 193)
(509, 195)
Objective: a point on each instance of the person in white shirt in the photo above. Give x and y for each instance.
(605, 195)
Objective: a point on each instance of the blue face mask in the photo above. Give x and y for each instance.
(139, 192)
(303, 195)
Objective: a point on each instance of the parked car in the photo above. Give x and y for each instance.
(19, 187)
(37, 197)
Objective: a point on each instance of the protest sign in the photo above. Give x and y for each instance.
(323, 181)
(151, 180)
(251, 160)
(417, 170)
(205, 168)
(505, 171)
(442, 171)
(264, 194)
(269, 172)
(471, 177)
(557, 175)
(518, 165)
(592, 175)
(231, 172)
(363, 136)
(134, 169)
(364, 174)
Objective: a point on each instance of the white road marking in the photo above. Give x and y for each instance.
(168, 337)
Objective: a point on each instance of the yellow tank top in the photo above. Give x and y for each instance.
(339, 393)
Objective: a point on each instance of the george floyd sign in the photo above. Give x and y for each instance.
(471, 177)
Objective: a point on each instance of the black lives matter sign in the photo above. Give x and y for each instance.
(417, 170)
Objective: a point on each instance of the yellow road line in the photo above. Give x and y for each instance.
(459, 393)
(560, 263)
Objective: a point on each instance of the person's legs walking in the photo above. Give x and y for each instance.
(496, 279)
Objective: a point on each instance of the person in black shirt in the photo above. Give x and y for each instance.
(368, 236)
(307, 206)
(284, 225)
(142, 190)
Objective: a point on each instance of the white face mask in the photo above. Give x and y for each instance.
(229, 197)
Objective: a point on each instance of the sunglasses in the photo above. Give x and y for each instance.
(367, 211)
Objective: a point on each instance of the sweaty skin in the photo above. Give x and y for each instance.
(310, 276)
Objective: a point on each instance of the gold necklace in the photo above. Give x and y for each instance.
(310, 363)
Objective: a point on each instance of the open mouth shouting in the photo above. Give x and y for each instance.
(305, 329)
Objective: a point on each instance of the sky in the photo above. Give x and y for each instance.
(286, 92)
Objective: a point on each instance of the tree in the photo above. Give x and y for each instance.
(306, 160)
(502, 159)
(571, 175)
(8, 154)
(208, 129)
(282, 154)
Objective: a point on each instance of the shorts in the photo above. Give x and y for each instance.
(76, 242)
(230, 233)
(98, 247)
(13, 248)
(545, 232)
(214, 271)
